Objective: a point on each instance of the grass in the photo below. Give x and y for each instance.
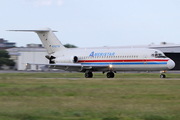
(60, 96)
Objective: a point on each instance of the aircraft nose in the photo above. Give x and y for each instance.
(170, 64)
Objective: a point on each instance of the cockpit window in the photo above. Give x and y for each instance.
(159, 55)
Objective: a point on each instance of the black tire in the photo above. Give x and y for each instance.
(108, 75)
(88, 75)
(162, 76)
(112, 75)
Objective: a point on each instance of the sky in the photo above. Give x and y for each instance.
(92, 23)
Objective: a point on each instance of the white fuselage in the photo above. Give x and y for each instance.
(118, 59)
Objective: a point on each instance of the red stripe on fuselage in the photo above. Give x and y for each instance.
(148, 60)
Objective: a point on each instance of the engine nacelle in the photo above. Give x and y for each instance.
(68, 59)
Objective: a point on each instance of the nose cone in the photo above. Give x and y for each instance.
(170, 64)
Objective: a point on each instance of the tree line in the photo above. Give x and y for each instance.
(5, 59)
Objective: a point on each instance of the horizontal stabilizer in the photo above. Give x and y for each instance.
(32, 30)
(48, 39)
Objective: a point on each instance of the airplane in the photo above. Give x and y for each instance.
(104, 60)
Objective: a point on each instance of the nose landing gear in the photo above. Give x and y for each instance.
(162, 76)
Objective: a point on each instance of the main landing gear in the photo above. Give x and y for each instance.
(88, 74)
(110, 74)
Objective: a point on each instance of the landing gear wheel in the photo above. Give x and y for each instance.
(162, 76)
(88, 75)
(110, 75)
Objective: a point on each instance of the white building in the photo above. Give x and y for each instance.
(24, 55)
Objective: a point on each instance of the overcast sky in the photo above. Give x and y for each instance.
(93, 23)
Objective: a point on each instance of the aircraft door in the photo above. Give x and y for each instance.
(145, 59)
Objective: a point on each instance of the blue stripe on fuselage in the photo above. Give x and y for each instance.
(138, 63)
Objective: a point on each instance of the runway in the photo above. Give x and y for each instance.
(61, 71)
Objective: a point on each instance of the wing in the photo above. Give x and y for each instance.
(72, 66)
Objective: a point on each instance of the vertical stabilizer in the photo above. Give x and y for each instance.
(50, 41)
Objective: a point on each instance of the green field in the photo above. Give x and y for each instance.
(70, 96)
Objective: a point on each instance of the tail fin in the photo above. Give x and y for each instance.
(49, 40)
